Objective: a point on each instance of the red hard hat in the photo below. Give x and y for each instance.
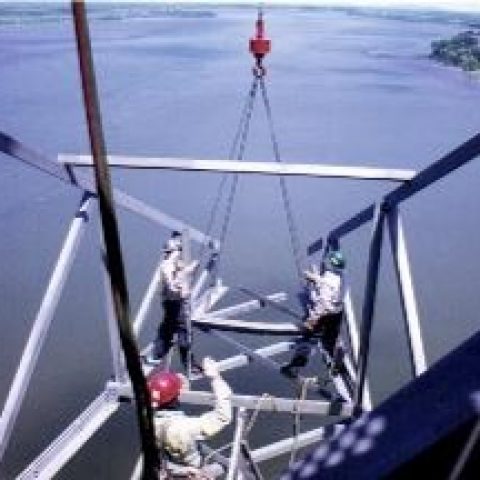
(164, 387)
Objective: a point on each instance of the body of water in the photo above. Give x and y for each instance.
(347, 87)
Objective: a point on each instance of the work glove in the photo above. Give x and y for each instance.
(210, 368)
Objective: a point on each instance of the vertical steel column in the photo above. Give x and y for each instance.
(369, 300)
(118, 359)
(407, 293)
(42, 322)
(353, 336)
(187, 258)
(147, 301)
(237, 439)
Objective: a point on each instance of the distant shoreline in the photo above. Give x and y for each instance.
(461, 51)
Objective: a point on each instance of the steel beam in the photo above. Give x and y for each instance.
(244, 359)
(247, 351)
(369, 302)
(246, 167)
(208, 299)
(255, 402)
(352, 328)
(436, 171)
(281, 308)
(245, 307)
(211, 323)
(354, 339)
(407, 293)
(272, 404)
(352, 224)
(42, 322)
(303, 440)
(13, 148)
(237, 438)
(59, 452)
(118, 360)
(147, 301)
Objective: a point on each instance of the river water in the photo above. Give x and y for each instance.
(347, 87)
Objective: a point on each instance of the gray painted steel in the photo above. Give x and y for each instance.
(247, 326)
(369, 302)
(237, 438)
(301, 441)
(52, 459)
(407, 293)
(42, 322)
(246, 167)
(436, 171)
(14, 148)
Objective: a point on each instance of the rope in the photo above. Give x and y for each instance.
(293, 231)
(248, 427)
(255, 412)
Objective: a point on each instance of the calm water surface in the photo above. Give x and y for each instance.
(346, 88)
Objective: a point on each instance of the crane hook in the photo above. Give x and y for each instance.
(259, 46)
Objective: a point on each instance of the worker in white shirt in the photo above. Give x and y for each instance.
(175, 279)
(324, 313)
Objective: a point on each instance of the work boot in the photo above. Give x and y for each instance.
(289, 370)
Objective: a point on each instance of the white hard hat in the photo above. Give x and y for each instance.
(173, 244)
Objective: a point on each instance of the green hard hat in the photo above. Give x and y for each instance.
(336, 259)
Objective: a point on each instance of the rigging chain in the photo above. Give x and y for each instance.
(225, 176)
(244, 129)
(292, 228)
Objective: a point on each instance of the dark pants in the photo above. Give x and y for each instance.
(326, 330)
(174, 322)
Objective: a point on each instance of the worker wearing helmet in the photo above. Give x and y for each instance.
(177, 434)
(324, 311)
(175, 290)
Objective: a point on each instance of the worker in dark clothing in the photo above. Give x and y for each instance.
(175, 279)
(324, 313)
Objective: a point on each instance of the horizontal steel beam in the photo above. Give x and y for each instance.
(245, 307)
(272, 404)
(243, 359)
(247, 326)
(244, 167)
(73, 438)
(301, 441)
(266, 300)
(254, 402)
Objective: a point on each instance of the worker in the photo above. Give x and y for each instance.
(177, 435)
(175, 279)
(324, 314)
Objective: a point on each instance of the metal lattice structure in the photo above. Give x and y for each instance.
(205, 297)
(351, 383)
